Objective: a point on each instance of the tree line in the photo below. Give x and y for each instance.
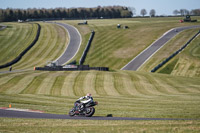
(183, 12)
(11, 14)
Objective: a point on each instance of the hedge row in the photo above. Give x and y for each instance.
(23, 52)
(174, 54)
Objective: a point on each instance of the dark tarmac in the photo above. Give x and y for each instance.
(35, 115)
(73, 45)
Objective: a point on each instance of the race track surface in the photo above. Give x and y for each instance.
(73, 46)
(23, 114)
(139, 60)
(3, 27)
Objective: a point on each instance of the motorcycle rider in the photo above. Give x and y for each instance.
(82, 101)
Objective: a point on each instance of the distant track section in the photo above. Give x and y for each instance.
(73, 45)
(140, 59)
(3, 26)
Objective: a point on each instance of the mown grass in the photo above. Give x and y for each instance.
(14, 39)
(120, 93)
(129, 94)
(169, 67)
(52, 42)
(89, 126)
(114, 47)
(185, 63)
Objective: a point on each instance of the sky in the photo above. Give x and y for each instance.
(162, 7)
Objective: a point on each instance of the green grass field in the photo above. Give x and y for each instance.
(14, 39)
(82, 126)
(120, 93)
(50, 45)
(130, 94)
(113, 47)
(186, 63)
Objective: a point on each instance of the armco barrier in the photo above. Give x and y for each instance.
(87, 48)
(23, 52)
(78, 68)
(174, 54)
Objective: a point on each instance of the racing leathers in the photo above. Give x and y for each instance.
(83, 101)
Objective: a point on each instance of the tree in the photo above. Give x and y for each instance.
(74, 13)
(184, 12)
(152, 13)
(133, 10)
(195, 12)
(143, 12)
(1, 15)
(176, 12)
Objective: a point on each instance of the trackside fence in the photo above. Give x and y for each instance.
(23, 52)
(174, 54)
(78, 68)
(87, 48)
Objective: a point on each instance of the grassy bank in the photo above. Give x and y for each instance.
(89, 126)
(121, 93)
(14, 39)
(114, 47)
(52, 42)
(185, 63)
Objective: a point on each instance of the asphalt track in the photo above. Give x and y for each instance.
(73, 45)
(3, 26)
(36, 115)
(140, 59)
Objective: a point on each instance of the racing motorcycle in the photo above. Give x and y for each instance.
(88, 110)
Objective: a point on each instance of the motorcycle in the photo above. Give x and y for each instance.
(88, 110)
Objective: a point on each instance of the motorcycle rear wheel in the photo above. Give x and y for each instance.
(89, 111)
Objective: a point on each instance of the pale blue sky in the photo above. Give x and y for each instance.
(162, 7)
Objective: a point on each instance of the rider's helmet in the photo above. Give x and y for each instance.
(89, 95)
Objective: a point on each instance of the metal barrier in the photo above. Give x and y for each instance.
(87, 48)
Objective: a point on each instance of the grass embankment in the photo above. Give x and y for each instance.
(114, 47)
(124, 94)
(185, 63)
(50, 45)
(82, 126)
(14, 39)
(120, 93)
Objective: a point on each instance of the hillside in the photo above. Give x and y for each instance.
(185, 63)
(121, 93)
(50, 45)
(114, 47)
(188, 62)
(14, 39)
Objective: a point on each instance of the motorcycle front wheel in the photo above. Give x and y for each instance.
(71, 112)
(89, 111)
